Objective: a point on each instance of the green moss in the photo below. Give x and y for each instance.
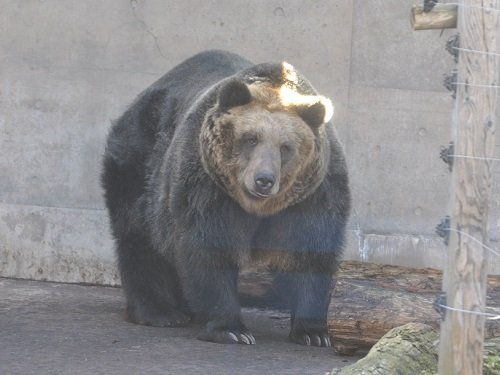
(412, 348)
(492, 357)
(409, 349)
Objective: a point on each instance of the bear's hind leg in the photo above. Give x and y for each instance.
(150, 284)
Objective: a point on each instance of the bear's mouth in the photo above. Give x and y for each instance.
(256, 195)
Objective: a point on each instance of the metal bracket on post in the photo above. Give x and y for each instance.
(450, 82)
(439, 304)
(443, 229)
(446, 154)
(452, 46)
(429, 4)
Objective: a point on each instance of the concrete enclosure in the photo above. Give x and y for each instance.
(67, 68)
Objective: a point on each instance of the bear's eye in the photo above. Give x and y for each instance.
(286, 152)
(285, 149)
(251, 141)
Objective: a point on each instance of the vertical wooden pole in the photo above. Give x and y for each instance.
(461, 341)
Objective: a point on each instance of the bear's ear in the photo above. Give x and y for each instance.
(233, 94)
(316, 114)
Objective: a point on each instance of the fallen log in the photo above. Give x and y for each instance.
(371, 299)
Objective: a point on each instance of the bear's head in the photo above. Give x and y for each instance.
(265, 143)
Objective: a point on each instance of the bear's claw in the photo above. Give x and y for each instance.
(247, 338)
(310, 332)
(228, 337)
(320, 340)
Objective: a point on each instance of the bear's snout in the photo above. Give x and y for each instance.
(262, 175)
(264, 182)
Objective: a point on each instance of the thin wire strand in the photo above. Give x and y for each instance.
(475, 240)
(474, 7)
(477, 51)
(488, 316)
(476, 85)
(474, 157)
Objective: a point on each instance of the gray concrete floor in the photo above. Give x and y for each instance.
(49, 328)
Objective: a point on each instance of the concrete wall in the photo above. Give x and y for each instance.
(68, 67)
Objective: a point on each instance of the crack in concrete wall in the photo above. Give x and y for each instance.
(133, 5)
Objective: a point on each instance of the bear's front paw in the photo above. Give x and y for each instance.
(310, 333)
(227, 335)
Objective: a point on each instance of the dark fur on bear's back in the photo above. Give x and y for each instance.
(183, 226)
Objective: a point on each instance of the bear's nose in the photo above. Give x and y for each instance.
(264, 182)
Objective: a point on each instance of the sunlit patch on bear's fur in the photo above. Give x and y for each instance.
(274, 115)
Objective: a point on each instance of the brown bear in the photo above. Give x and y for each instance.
(219, 163)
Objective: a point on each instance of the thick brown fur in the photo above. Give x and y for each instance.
(266, 116)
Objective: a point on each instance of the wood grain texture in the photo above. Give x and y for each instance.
(442, 16)
(473, 128)
(370, 299)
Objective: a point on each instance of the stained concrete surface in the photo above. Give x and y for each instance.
(50, 328)
(67, 68)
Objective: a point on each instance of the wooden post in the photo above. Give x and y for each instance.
(461, 340)
(442, 16)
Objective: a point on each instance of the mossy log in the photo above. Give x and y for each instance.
(371, 299)
(409, 349)
(413, 349)
(491, 359)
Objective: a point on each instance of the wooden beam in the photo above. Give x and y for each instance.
(473, 128)
(442, 16)
(370, 299)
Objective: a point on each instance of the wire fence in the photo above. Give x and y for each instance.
(491, 314)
